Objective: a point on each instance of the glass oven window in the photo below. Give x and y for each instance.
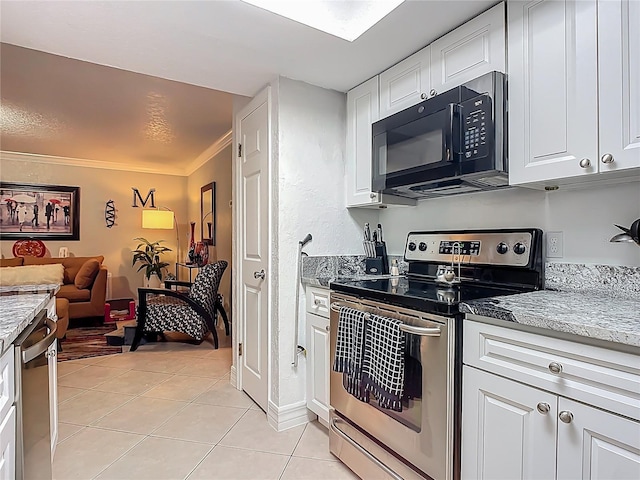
(415, 144)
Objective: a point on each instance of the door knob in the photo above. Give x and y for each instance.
(259, 275)
(585, 163)
(566, 416)
(607, 158)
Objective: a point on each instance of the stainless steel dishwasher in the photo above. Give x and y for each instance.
(33, 430)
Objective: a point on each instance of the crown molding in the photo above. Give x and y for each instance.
(87, 163)
(223, 142)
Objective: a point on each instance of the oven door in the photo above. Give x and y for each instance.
(422, 434)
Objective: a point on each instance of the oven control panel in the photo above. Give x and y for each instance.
(490, 248)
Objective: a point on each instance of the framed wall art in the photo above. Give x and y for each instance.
(39, 211)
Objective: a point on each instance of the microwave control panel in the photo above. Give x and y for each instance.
(477, 126)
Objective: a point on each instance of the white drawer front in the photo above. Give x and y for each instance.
(318, 301)
(7, 381)
(605, 378)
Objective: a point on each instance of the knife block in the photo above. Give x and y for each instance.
(380, 264)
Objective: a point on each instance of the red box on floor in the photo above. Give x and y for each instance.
(119, 309)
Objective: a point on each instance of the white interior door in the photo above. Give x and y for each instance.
(253, 189)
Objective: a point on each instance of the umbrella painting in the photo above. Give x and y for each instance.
(39, 211)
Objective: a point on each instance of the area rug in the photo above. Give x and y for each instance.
(84, 342)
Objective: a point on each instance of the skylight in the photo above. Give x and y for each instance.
(347, 19)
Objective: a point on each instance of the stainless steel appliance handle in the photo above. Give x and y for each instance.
(422, 331)
(39, 348)
(354, 444)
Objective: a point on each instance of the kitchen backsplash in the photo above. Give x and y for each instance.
(619, 281)
(338, 266)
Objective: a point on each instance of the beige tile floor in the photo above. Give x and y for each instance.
(167, 411)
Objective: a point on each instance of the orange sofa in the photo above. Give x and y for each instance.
(83, 303)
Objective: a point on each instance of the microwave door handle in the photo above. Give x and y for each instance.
(448, 137)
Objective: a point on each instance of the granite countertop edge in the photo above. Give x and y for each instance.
(600, 317)
(16, 312)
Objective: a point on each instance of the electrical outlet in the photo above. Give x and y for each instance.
(554, 244)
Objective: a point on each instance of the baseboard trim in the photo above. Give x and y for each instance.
(289, 416)
(233, 377)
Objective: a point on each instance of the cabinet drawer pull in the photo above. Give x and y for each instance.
(543, 408)
(555, 367)
(566, 416)
(317, 302)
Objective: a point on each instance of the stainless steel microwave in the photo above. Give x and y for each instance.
(449, 144)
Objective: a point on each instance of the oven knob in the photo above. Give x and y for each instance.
(519, 248)
(502, 248)
(422, 246)
(412, 246)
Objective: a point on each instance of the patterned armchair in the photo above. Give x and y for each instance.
(193, 313)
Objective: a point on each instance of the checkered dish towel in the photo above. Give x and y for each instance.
(349, 351)
(383, 365)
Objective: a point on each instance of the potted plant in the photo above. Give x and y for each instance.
(149, 260)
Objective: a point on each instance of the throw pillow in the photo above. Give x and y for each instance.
(87, 274)
(32, 275)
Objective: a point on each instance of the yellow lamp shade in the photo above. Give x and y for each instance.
(160, 219)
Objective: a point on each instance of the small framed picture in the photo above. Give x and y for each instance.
(46, 212)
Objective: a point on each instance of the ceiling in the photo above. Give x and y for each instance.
(60, 107)
(117, 116)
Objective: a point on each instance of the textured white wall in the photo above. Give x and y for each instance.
(310, 199)
(585, 216)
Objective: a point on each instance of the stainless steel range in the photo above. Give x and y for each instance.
(445, 268)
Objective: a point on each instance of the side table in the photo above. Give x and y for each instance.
(189, 266)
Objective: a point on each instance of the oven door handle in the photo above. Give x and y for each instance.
(358, 447)
(42, 346)
(423, 332)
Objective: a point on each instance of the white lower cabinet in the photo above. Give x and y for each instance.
(595, 444)
(504, 435)
(512, 429)
(318, 362)
(8, 446)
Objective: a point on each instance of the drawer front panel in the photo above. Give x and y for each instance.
(318, 301)
(7, 381)
(604, 378)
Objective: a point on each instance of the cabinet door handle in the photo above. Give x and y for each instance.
(433, 92)
(543, 408)
(607, 158)
(373, 195)
(259, 275)
(327, 328)
(565, 416)
(423, 96)
(585, 163)
(555, 367)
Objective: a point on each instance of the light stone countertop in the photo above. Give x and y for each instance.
(16, 312)
(595, 315)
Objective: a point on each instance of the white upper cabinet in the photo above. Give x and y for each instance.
(406, 83)
(619, 80)
(553, 111)
(471, 50)
(362, 112)
(574, 90)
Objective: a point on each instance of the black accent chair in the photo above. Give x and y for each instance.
(193, 313)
